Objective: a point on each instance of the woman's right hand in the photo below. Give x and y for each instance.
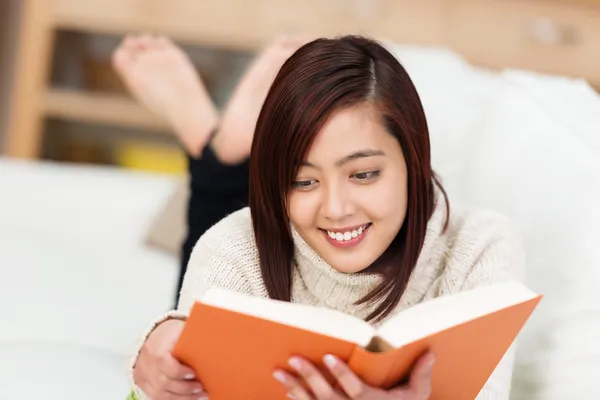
(159, 374)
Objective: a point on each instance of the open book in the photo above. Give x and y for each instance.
(234, 342)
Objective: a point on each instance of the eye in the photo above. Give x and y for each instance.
(366, 176)
(304, 185)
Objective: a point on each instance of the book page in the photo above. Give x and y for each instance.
(315, 319)
(444, 312)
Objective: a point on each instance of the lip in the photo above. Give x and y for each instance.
(347, 243)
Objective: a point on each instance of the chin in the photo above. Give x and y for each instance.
(350, 266)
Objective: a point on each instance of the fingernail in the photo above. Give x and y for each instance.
(290, 396)
(189, 377)
(330, 360)
(196, 391)
(431, 361)
(279, 376)
(295, 363)
(203, 398)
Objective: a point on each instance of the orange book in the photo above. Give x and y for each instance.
(234, 342)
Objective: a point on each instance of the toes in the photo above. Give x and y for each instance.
(145, 42)
(130, 42)
(297, 41)
(300, 40)
(123, 58)
(163, 42)
(127, 52)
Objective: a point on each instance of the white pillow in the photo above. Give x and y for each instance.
(572, 101)
(531, 165)
(455, 96)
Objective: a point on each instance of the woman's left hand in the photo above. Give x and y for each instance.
(350, 386)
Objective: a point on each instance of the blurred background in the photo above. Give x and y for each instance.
(92, 184)
(61, 100)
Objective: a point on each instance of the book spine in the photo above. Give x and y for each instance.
(372, 367)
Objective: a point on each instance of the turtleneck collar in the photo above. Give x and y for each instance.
(339, 290)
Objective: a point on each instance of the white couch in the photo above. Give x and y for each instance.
(76, 282)
(528, 146)
(77, 285)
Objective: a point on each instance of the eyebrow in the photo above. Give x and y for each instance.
(351, 157)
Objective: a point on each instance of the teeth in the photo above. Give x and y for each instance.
(349, 235)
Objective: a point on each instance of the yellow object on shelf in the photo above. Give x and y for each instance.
(151, 157)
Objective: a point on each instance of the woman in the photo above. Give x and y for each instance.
(345, 213)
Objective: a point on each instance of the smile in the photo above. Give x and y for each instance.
(349, 237)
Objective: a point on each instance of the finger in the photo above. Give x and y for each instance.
(294, 387)
(173, 369)
(352, 385)
(179, 387)
(420, 377)
(313, 378)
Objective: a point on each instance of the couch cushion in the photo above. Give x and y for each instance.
(38, 370)
(532, 166)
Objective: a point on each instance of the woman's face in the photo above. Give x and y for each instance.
(349, 199)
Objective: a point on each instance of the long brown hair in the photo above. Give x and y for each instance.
(321, 77)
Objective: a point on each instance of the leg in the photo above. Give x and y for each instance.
(217, 190)
(234, 139)
(162, 77)
(219, 179)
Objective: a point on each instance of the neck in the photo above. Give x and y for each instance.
(316, 282)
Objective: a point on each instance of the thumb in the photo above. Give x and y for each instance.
(420, 378)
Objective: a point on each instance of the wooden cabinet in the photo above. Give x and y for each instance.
(557, 37)
(552, 36)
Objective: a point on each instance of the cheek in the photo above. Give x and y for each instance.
(300, 211)
(387, 202)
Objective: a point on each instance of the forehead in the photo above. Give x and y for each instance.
(349, 130)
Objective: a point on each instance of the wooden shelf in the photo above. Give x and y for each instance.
(100, 108)
(248, 25)
(552, 36)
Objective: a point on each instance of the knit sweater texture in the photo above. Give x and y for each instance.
(479, 247)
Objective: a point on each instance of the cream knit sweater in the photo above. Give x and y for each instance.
(480, 247)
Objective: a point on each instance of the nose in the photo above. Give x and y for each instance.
(337, 203)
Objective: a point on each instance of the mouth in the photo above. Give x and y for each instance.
(349, 237)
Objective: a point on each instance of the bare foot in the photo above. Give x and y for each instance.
(161, 76)
(233, 141)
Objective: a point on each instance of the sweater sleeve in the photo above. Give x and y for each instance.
(212, 264)
(502, 259)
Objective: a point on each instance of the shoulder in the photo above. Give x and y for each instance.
(472, 227)
(233, 234)
(483, 246)
(226, 255)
